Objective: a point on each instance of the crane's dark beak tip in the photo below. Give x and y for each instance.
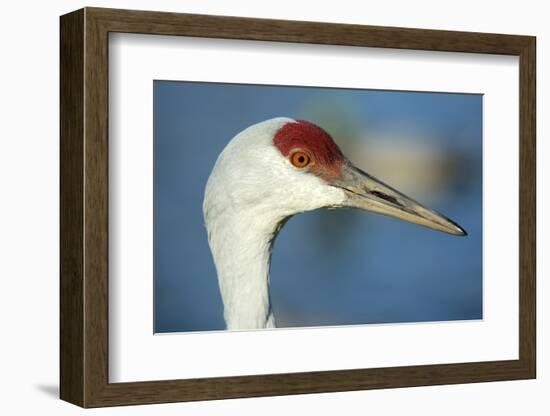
(461, 232)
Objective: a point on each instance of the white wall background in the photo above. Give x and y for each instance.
(29, 208)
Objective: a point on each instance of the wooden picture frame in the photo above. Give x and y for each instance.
(84, 207)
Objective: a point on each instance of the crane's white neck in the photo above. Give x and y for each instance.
(241, 244)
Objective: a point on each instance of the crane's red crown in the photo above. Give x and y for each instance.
(327, 158)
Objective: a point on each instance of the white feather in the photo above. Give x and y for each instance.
(252, 190)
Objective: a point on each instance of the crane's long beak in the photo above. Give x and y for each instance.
(368, 193)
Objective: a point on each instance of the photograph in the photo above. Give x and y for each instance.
(282, 206)
(276, 204)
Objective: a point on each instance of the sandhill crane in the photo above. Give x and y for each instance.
(267, 173)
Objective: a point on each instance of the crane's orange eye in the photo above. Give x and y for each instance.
(300, 159)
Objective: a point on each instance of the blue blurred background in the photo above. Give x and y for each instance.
(328, 267)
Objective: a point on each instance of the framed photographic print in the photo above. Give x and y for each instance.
(255, 207)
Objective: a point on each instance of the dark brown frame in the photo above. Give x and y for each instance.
(84, 209)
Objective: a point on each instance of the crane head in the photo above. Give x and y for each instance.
(281, 167)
